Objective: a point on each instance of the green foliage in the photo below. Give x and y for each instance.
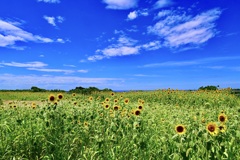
(81, 127)
(36, 89)
(1, 102)
(88, 90)
(236, 92)
(214, 88)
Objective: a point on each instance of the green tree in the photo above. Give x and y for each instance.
(209, 88)
(36, 89)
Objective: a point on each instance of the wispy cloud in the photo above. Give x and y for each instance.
(235, 68)
(146, 75)
(27, 64)
(176, 29)
(120, 4)
(154, 45)
(52, 70)
(162, 4)
(52, 82)
(123, 46)
(82, 71)
(191, 62)
(69, 65)
(10, 34)
(53, 20)
(41, 67)
(49, 1)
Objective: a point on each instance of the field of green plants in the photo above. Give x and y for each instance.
(157, 125)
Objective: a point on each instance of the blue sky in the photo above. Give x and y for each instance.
(119, 44)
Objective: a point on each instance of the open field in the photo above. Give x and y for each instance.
(163, 124)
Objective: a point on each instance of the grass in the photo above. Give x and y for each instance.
(164, 124)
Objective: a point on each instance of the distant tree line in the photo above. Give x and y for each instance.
(88, 90)
(79, 89)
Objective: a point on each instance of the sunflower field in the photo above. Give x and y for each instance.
(141, 125)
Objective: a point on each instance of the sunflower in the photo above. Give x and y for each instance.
(107, 99)
(74, 94)
(90, 98)
(222, 118)
(115, 100)
(86, 124)
(106, 106)
(212, 128)
(139, 101)
(33, 105)
(140, 107)
(180, 129)
(112, 94)
(60, 96)
(137, 112)
(51, 98)
(222, 128)
(116, 108)
(126, 100)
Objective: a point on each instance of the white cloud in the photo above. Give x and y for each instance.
(123, 46)
(60, 40)
(60, 19)
(54, 20)
(132, 15)
(120, 4)
(94, 58)
(27, 64)
(49, 1)
(50, 20)
(10, 34)
(119, 51)
(177, 29)
(124, 40)
(154, 45)
(162, 4)
(163, 13)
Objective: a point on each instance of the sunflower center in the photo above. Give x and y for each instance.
(137, 113)
(221, 127)
(51, 98)
(211, 128)
(222, 118)
(180, 129)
